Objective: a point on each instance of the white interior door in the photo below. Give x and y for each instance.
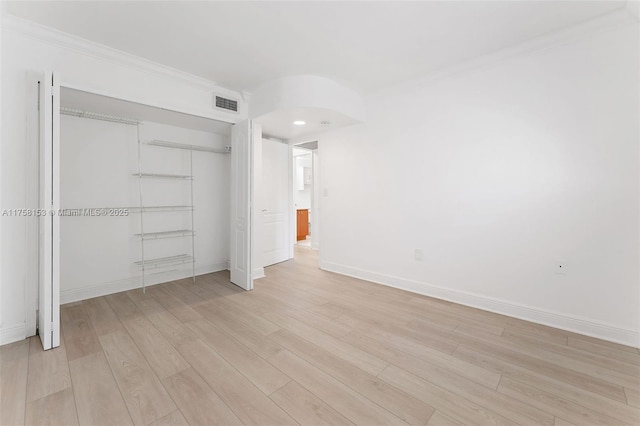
(49, 230)
(274, 200)
(241, 196)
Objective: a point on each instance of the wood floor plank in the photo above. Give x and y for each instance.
(14, 364)
(537, 362)
(296, 296)
(103, 319)
(236, 312)
(159, 353)
(366, 320)
(123, 306)
(54, 409)
(199, 404)
(177, 307)
(247, 402)
(401, 404)
(146, 398)
(562, 422)
(305, 407)
(439, 359)
(98, 399)
(173, 329)
(183, 294)
(442, 400)
(607, 364)
(80, 336)
(204, 292)
(370, 363)
(262, 374)
(554, 404)
(348, 402)
(328, 310)
(145, 302)
(439, 419)
(573, 393)
(480, 329)
(621, 353)
(331, 327)
(633, 397)
(577, 339)
(174, 418)
(246, 335)
(48, 370)
(454, 380)
(561, 355)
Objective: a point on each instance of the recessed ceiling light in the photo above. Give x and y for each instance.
(299, 123)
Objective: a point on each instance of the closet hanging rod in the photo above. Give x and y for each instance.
(98, 116)
(168, 144)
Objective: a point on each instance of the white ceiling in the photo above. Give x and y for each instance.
(279, 123)
(364, 45)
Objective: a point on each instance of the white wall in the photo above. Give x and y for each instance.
(98, 160)
(25, 48)
(496, 175)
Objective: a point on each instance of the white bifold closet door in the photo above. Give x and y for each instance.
(49, 225)
(242, 144)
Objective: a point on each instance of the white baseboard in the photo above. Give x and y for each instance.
(257, 273)
(102, 289)
(566, 322)
(12, 333)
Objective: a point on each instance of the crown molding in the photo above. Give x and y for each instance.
(86, 47)
(618, 18)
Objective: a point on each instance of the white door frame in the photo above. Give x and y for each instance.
(315, 196)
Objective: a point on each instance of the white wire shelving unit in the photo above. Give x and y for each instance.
(181, 259)
(147, 265)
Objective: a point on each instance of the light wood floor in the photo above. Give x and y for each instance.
(310, 347)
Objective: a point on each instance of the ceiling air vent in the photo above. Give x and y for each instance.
(226, 104)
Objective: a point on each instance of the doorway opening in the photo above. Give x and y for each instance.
(302, 194)
(305, 202)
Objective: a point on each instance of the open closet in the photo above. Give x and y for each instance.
(144, 195)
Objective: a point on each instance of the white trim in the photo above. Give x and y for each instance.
(102, 289)
(610, 21)
(12, 333)
(562, 321)
(257, 273)
(68, 41)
